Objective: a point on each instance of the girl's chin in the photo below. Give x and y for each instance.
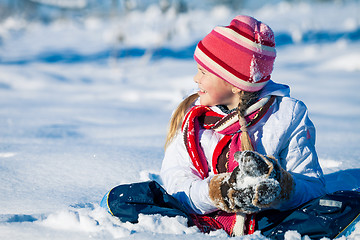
(204, 102)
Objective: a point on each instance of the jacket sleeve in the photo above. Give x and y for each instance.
(181, 180)
(298, 156)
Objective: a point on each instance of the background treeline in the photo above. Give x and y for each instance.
(49, 10)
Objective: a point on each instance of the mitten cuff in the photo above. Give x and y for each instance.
(215, 191)
(287, 185)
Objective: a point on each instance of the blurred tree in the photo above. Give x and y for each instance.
(48, 10)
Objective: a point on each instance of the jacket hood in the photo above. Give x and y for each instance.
(276, 89)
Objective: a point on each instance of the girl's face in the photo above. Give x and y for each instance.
(215, 91)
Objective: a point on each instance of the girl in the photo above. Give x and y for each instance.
(240, 153)
(240, 145)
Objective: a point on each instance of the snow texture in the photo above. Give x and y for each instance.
(84, 106)
(255, 73)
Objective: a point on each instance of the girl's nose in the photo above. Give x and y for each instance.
(197, 78)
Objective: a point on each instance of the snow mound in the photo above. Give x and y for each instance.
(96, 222)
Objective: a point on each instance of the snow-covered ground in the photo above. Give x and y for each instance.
(81, 111)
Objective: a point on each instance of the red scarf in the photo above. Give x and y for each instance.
(228, 125)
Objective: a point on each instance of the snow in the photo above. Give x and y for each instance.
(81, 112)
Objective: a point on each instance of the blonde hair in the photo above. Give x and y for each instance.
(178, 116)
(245, 100)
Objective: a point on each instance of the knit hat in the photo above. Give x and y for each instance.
(242, 53)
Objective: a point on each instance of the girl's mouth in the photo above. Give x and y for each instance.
(201, 91)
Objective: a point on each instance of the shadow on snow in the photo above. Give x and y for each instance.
(343, 180)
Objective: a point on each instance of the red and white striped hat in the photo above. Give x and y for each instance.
(242, 53)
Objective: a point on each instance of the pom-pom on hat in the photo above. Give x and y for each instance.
(242, 53)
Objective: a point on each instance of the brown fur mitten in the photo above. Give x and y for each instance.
(258, 182)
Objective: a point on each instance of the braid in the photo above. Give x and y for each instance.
(246, 100)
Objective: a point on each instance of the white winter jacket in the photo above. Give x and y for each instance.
(285, 132)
